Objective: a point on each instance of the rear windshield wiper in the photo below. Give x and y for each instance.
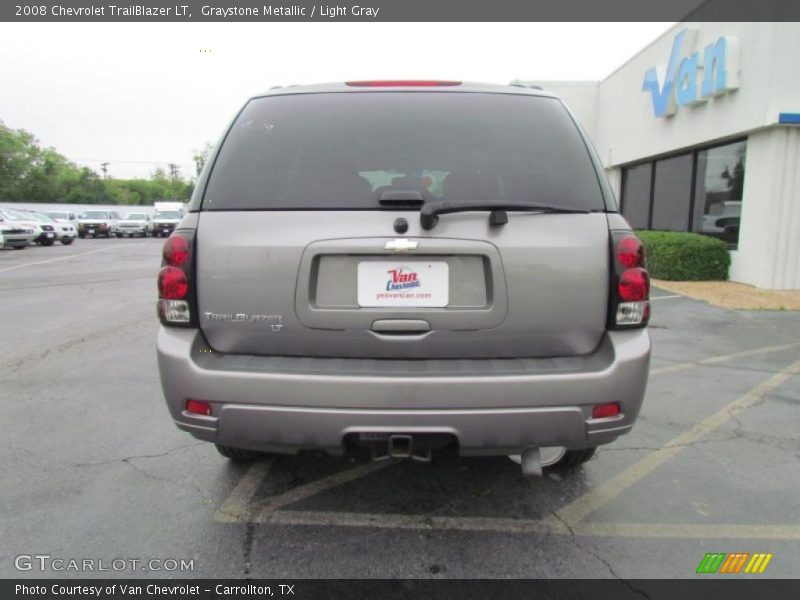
(429, 213)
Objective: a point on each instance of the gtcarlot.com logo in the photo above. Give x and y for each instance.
(735, 562)
(46, 562)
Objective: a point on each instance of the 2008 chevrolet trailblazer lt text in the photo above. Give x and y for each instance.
(443, 266)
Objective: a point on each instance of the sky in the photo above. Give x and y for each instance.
(141, 95)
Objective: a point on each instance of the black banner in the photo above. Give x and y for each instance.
(399, 10)
(333, 589)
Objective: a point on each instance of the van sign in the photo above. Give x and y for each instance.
(692, 79)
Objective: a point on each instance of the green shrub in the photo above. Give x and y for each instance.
(676, 256)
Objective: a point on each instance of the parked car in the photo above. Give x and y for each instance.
(64, 232)
(14, 235)
(165, 222)
(134, 224)
(502, 313)
(66, 217)
(43, 233)
(98, 223)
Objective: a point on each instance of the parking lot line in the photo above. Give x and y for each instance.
(575, 512)
(666, 297)
(236, 507)
(316, 487)
(412, 521)
(542, 526)
(239, 506)
(52, 260)
(721, 358)
(700, 531)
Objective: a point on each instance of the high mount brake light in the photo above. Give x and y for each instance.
(630, 283)
(403, 83)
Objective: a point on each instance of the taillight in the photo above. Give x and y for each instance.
(630, 252)
(176, 251)
(172, 284)
(176, 296)
(630, 283)
(634, 285)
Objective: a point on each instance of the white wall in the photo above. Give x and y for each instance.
(619, 118)
(769, 239)
(627, 129)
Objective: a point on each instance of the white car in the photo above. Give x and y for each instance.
(98, 222)
(43, 234)
(63, 216)
(65, 232)
(14, 235)
(134, 224)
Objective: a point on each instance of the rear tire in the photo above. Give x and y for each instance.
(67, 242)
(239, 454)
(573, 458)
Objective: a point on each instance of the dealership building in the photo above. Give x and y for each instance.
(700, 131)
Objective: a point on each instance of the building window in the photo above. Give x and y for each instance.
(718, 191)
(636, 184)
(697, 191)
(672, 193)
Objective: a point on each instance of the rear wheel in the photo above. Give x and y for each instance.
(239, 454)
(67, 242)
(573, 458)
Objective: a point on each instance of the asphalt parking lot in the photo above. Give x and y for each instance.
(92, 466)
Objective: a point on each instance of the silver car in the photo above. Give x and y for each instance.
(404, 267)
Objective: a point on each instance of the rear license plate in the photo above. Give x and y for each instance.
(394, 284)
(50, 235)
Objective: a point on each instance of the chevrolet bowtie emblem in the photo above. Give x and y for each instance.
(401, 245)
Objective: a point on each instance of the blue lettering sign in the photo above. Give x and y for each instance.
(719, 64)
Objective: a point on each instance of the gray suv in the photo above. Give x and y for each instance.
(404, 267)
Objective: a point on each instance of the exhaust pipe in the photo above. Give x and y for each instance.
(531, 462)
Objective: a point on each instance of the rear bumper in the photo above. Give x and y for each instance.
(282, 404)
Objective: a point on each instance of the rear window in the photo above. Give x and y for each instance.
(344, 150)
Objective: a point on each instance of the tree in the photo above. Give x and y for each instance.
(200, 157)
(31, 173)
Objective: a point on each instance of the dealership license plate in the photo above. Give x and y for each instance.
(394, 284)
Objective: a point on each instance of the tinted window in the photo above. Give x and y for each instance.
(636, 195)
(719, 190)
(672, 193)
(343, 150)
